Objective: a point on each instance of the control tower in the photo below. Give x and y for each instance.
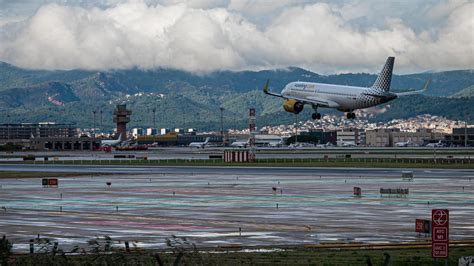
(122, 117)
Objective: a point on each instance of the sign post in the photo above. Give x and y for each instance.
(440, 234)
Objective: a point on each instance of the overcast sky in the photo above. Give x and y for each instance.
(207, 35)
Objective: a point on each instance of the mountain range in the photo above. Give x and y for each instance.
(183, 99)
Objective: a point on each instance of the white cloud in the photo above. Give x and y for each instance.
(207, 35)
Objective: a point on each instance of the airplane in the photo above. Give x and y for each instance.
(437, 144)
(341, 143)
(111, 142)
(240, 144)
(201, 145)
(301, 145)
(343, 98)
(324, 146)
(406, 144)
(277, 144)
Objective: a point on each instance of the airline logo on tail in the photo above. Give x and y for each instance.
(385, 77)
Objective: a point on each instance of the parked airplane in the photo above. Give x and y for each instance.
(343, 98)
(324, 146)
(341, 143)
(111, 142)
(201, 145)
(301, 145)
(240, 144)
(437, 144)
(408, 143)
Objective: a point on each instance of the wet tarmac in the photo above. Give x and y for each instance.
(208, 209)
(173, 153)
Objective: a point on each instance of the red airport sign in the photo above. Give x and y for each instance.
(423, 226)
(419, 224)
(440, 217)
(440, 235)
(53, 182)
(440, 250)
(49, 182)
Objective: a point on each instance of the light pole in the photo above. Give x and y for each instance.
(465, 123)
(222, 124)
(296, 129)
(154, 121)
(93, 126)
(100, 121)
(8, 127)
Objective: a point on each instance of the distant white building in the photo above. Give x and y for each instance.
(349, 136)
(151, 131)
(381, 137)
(164, 131)
(268, 140)
(137, 132)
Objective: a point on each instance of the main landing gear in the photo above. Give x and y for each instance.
(316, 115)
(351, 115)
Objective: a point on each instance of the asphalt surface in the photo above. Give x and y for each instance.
(285, 171)
(208, 205)
(171, 153)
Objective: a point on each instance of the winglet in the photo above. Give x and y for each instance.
(426, 85)
(265, 89)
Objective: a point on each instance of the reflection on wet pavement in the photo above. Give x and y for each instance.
(210, 209)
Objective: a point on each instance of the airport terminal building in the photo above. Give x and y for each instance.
(461, 137)
(36, 130)
(46, 136)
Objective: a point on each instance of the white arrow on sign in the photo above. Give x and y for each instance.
(440, 217)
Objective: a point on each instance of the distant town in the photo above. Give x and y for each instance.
(331, 130)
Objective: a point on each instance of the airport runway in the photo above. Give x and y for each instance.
(209, 205)
(172, 153)
(283, 171)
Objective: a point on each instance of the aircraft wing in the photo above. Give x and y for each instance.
(414, 92)
(321, 102)
(309, 100)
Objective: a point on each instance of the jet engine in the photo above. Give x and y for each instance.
(293, 106)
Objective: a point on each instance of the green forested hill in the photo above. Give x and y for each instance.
(182, 98)
(467, 92)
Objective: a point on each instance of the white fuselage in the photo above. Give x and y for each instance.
(197, 145)
(343, 98)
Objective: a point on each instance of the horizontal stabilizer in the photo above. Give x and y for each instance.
(415, 92)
